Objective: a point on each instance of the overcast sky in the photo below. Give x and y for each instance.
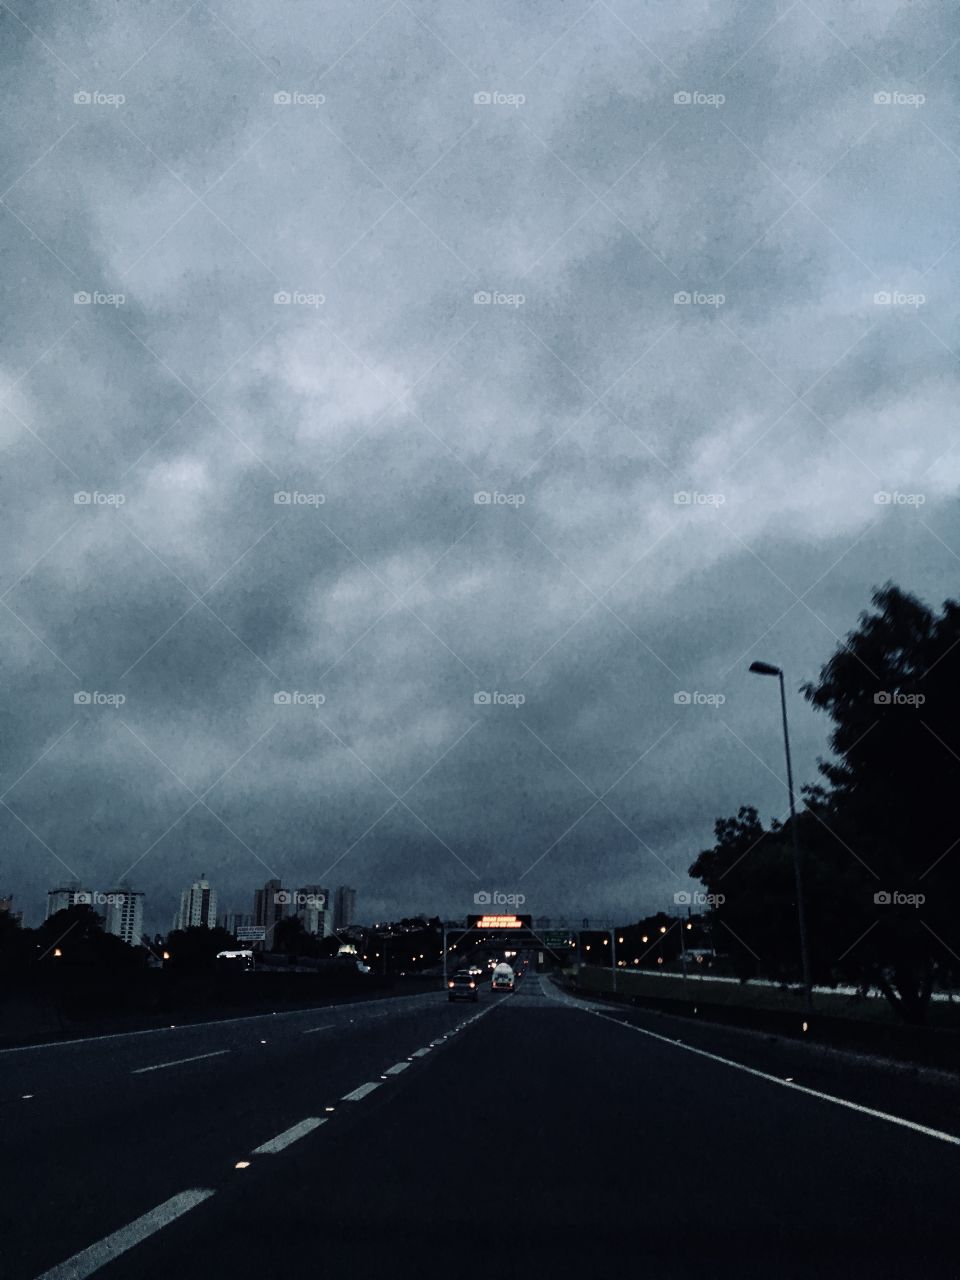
(386, 167)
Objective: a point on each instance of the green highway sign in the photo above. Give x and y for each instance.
(560, 940)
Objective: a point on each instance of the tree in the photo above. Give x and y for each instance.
(77, 933)
(749, 874)
(893, 692)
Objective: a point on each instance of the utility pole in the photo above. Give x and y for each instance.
(765, 669)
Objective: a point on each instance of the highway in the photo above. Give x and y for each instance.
(529, 1133)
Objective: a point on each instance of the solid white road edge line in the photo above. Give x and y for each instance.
(178, 1062)
(288, 1136)
(423, 997)
(787, 1084)
(98, 1255)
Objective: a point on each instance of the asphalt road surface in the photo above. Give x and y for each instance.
(527, 1135)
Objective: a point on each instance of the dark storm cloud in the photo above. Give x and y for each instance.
(583, 395)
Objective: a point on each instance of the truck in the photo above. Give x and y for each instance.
(503, 978)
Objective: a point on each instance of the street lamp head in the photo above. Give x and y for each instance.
(764, 669)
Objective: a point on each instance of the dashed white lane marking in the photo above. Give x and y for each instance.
(98, 1255)
(289, 1135)
(311, 1030)
(787, 1084)
(418, 1053)
(178, 1062)
(396, 1068)
(361, 1092)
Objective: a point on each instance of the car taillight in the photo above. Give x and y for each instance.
(473, 984)
(451, 985)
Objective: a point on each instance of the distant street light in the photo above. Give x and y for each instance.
(765, 669)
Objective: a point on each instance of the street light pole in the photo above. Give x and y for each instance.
(765, 669)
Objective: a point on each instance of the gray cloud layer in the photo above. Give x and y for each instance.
(598, 398)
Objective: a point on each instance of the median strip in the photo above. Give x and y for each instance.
(98, 1255)
(288, 1136)
(361, 1092)
(178, 1062)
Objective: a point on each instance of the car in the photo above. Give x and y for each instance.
(475, 971)
(462, 986)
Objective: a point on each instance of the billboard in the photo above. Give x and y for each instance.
(251, 933)
(499, 922)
